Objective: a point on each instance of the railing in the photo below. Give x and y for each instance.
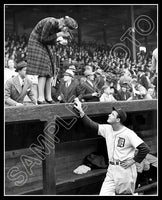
(45, 112)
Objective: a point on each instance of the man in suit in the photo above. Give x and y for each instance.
(18, 87)
(89, 91)
(69, 88)
(99, 80)
(142, 78)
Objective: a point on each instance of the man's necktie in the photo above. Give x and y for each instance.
(22, 83)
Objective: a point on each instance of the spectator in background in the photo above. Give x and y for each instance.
(18, 87)
(40, 53)
(99, 79)
(148, 74)
(82, 79)
(114, 92)
(142, 78)
(154, 82)
(88, 67)
(124, 93)
(6, 60)
(107, 95)
(20, 56)
(9, 71)
(125, 78)
(69, 88)
(154, 66)
(152, 87)
(152, 93)
(89, 91)
(93, 54)
(72, 67)
(138, 91)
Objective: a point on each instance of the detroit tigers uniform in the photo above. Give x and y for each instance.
(121, 145)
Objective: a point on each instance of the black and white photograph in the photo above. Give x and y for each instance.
(81, 99)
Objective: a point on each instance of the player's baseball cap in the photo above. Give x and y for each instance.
(122, 114)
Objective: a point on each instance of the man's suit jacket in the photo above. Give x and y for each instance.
(69, 93)
(86, 92)
(99, 82)
(14, 93)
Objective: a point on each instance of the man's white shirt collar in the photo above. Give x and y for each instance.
(20, 79)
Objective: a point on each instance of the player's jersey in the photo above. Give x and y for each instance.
(121, 144)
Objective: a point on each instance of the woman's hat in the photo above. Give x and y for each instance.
(70, 23)
(88, 73)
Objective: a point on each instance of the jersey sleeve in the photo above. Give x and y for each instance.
(134, 139)
(103, 130)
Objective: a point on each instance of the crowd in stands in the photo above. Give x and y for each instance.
(95, 73)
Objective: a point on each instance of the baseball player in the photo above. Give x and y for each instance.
(121, 145)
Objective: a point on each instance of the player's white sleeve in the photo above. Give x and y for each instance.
(134, 139)
(103, 129)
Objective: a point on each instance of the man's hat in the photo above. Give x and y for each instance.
(99, 71)
(69, 72)
(88, 67)
(124, 84)
(122, 114)
(20, 65)
(70, 23)
(72, 67)
(88, 73)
